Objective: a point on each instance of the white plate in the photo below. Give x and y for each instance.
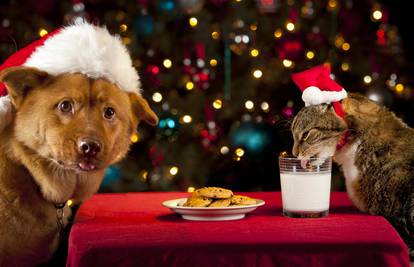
(210, 214)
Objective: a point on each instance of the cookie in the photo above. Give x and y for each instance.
(224, 202)
(214, 192)
(195, 201)
(242, 200)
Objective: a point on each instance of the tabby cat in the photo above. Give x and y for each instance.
(376, 155)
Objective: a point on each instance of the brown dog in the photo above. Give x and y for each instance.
(66, 130)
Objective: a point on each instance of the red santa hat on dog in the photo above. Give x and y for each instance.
(79, 48)
(318, 87)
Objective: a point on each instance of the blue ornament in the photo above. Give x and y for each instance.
(143, 25)
(253, 137)
(112, 174)
(168, 126)
(166, 5)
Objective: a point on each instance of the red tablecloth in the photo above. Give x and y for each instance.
(135, 230)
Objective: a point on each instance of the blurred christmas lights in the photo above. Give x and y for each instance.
(224, 150)
(254, 52)
(42, 32)
(217, 104)
(134, 138)
(310, 55)
(189, 86)
(346, 46)
(157, 97)
(278, 33)
(239, 152)
(187, 119)
(167, 63)
(257, 74)
(399, 88)
(249, 104)
(287, 63)
(332, 4)
(265, 106)
(290, 26)
(367, 79)
(123, 28)
(215, 35)
(345, 66)
(193, 21)
(173, 170)
(213, 62)
(377, 15)
(190, 189)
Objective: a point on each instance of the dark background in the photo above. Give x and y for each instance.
(176, 155)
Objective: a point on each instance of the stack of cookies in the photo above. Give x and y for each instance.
(217, 197)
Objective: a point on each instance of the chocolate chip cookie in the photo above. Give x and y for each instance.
(214, 192)
(242, 200)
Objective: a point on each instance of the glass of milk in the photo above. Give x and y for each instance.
(306, 187)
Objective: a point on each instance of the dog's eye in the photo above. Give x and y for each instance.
(109, 113)
(65, 106)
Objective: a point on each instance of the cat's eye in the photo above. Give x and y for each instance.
(109, 113)
(305, 135)
(65, 106)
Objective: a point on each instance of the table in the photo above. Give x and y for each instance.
(135, 230)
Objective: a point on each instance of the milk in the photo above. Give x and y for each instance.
(305, 191)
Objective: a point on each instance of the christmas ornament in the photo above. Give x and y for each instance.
(168, 126)
(112, 174)
(143, 25)
(59, 52)
(253, 137)
(166, 5)
(190, 6)
(318, 87)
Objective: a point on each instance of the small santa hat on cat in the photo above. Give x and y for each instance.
(319, 88)
(78, 48)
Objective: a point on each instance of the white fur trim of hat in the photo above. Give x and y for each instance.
(80, 48)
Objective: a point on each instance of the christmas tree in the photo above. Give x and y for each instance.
(218, 75)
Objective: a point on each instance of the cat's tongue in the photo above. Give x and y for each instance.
(303, 163)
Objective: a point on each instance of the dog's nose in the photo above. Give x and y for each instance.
(89, 148)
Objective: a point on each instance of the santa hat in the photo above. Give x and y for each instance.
(318, 88)
(79, 48)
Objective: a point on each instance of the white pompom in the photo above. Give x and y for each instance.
(5, 112)
(314, 96)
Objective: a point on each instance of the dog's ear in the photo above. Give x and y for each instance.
(19, 80)
(142, 110)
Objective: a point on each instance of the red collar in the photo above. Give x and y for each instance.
(344, 140)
